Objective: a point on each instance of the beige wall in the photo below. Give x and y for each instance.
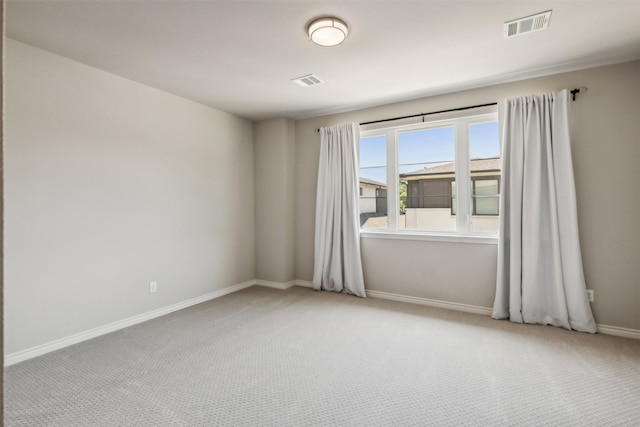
(110, 184)
(275, 205)
(606, 149)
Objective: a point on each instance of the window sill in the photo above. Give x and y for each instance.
(482, 239)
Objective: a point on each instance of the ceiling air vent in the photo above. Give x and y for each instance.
(308, 80)
(528, 24)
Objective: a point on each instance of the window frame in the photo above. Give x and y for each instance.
(464, 184)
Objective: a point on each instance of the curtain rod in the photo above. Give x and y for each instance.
(428, 114)
(424, 114)
(573, 92)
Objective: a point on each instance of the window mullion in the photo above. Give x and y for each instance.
(393, 195)
(463, 183)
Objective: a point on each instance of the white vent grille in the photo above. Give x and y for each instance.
(527, 24)
(308, 80)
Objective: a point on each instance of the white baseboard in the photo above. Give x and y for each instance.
(618, 331)
(39, 350)
(431, 302)
(416, 300)
(276, 285)
(602, 329)
(304, 283)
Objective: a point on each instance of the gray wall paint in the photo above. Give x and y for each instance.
(606, 149)
(109, 185)
(431, 270)
(275, 204)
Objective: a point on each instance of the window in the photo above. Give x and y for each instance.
(420, 172)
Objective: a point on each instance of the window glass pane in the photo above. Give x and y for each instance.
(483, 141)
(426, 172)
(487, 206)
(486, 187)
(373, 182)
(484, 159)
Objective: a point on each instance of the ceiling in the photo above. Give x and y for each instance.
(239, 56)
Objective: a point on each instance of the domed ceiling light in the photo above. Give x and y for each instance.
(327, 31)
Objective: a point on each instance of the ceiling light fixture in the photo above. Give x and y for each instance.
(327, 31)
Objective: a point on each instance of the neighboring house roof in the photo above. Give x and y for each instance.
(477, 165)
(372, 182)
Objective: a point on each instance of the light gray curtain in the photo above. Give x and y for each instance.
(540, 275)
(337, 262)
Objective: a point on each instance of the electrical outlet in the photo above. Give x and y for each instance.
(153, 287)
(590, 295)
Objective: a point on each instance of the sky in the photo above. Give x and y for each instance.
(425, 148)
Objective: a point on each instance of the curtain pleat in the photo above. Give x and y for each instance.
(540, 275)
(337, 262)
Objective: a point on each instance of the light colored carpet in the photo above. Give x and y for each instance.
(265, 357)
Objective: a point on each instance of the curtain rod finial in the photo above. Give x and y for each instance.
(576, 91)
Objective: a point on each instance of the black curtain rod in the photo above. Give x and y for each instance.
(573, 93)
(428, 114)
(424, 114)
